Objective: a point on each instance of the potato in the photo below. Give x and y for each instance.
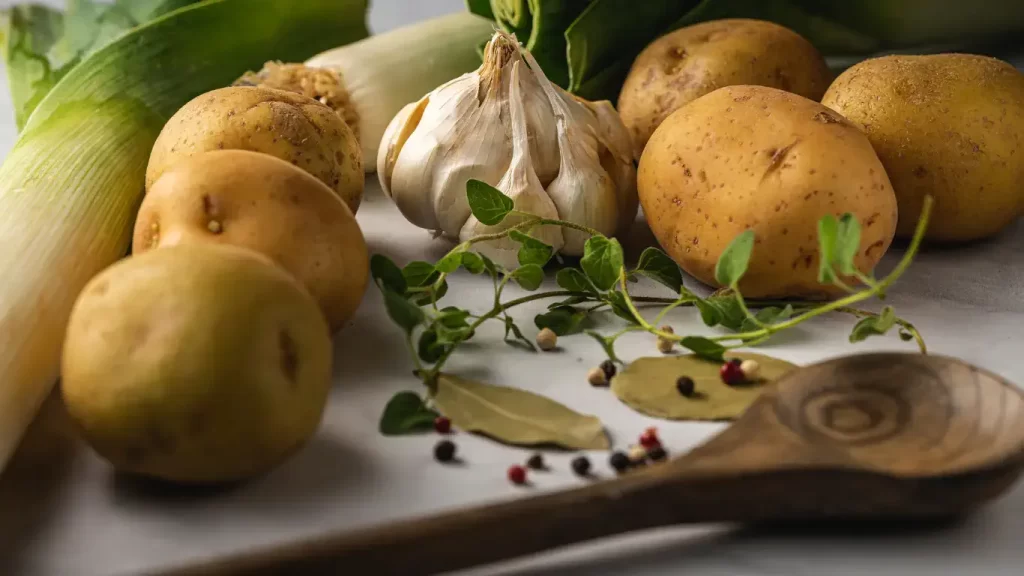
(283, 124)
(199, 364)
(258, 202)
(752, 157)
(693, 61)
(949, 125)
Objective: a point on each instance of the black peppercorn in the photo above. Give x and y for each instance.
(685, 386)
(620, 461)
(657, 454)
(608, 367)
(736, 361)
(444, 451)
(536, 462)
(581, 466)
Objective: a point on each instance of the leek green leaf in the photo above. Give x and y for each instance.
(648, 385)
(516, 416)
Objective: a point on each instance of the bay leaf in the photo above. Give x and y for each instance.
(516, 416)
(648, 385)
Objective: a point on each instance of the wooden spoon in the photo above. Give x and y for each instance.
(876, 435)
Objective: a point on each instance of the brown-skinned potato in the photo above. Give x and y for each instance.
(757, 158)
(690, 62)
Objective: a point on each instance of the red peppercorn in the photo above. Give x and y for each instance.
(517, 474)
(649, 439)
(731, 373)
(442, 425)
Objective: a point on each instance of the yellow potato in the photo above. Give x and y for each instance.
(267, 205)
(198, 364)
(289, 126)
(693, 61)
(751, 157)
(949, 125)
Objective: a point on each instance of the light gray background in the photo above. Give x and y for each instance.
(71, 516)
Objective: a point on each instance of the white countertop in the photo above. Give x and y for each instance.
(72, 516)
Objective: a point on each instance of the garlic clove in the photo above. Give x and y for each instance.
(395, 136)
(623, 173)
(540, 123)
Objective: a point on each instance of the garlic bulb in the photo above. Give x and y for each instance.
(506, 124)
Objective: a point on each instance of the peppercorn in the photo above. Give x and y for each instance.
(685, 386)
(736, 361)
(444, 451)
(665, 345)
(619, 461)
(596, 377)
(442, 425)
(536, 462)
(731, 373)
(581, 466)
(608, 367)
(517, 474)
(657, 454)
(547, 339)
(751, 369)
(649, 438)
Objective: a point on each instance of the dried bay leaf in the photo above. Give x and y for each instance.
(648, 385)
(516, 416)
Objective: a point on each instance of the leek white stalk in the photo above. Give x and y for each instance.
(368, 82)
(70, 188)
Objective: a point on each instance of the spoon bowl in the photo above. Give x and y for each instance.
(883, 435)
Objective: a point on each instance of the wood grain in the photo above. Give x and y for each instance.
(869, 436)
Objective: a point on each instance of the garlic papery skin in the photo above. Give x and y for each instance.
(521, 184)
(540, 124)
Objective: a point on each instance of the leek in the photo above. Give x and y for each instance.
(371, 80)
(70, 188)
(603, 39)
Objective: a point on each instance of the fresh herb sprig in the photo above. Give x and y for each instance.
(412, 294)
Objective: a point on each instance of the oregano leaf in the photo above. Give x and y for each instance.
(419, 273)
(401, 311)
(519, 339)
(487, 203)
(489, 266)
(709, 313)
(472, 262)
(530, 276)
(607, 344)
(405, 413)
(450, 263)
(874, 325)
(828, 234)
(563, 320)
(704, 348)
(602, 261)
(767, 316)
(430, 348)
(732, 264)
(531, 251)
(387, 274)
(657, 266)
(618, 304)
(847, 243)
(425, 298)
(570, 301)
(575, 281)
(730, 313)
(453, 317)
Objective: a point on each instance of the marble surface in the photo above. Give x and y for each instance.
(62, 511)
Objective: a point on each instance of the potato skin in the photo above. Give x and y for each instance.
(690, 62)
(283, 124)
(949, 125)
(752, 157)
(258, 202)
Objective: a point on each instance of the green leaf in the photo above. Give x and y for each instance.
(490, 266)
(511, 328)
(618, 304)
(657, 266)
(570, 301)
(425, 298)
(847, 243)
(723, 310)
(648, 385)
(402, 312)
(488, 204)
(532, 251)
(905, 335)
(828, 234)
(709, 313)
(732, 264)
(575, 281)
(563, 320)
(452, 317)
(473, 263)
(450, 262)
(602, 261)
(874, 325)
(419, 273)
(607, 344)
(516, 416)
(387, 274)
(530, 276)
(406, 413)
(704, 348)
(767, 316)
(430, 348)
